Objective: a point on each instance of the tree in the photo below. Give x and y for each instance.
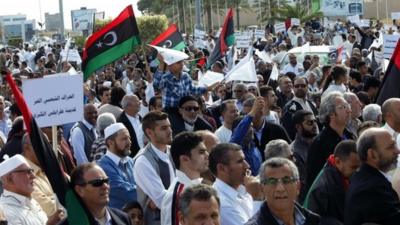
(151, 26)
(98, 24)
(266, 9)
(295, 11)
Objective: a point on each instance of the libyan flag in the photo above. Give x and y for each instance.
(170, 38)
(78, 214)
(113, 41)
(225, 39)
(390, 86)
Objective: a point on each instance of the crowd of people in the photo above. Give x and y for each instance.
(154, 147)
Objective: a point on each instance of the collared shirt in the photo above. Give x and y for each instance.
(236, 205)
(304, 104)
(396, 136)
(168, 198)
(137, 126)
(147, 178)
(42, 191)
(20, 210)
(299, 218)
(297, 69)
(116, 159)
(258, 132)
(224, 134)
(174, 89)
(106, 220)
(77, 141)
(188, 126)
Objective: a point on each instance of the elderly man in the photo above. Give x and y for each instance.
(90, 183)
(391, 115)
(99, 147)
(240, 91)
(370, 197)
(285, 92)
(372, 112)
(199, 204)
(293, 66)
(335, 113)
(16, 201)
(280, 184)
(355, 105)
(118, 166)
(278, 148)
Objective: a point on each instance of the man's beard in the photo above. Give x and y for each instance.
(309, 134)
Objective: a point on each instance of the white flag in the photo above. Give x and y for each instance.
(245, 70)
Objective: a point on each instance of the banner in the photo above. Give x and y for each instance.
(389, 44)
(295, 22)
(55, 99)
(354, 19)
(259, 33)
(395, 15)
(279, 27)
(341, 7)
(73, 56)
(243, 39)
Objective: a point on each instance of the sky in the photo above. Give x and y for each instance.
(35, 9)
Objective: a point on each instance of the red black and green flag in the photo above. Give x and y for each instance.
(170, 38)
(390, 86)
(226, 39)
(113, 41)
(77, 212)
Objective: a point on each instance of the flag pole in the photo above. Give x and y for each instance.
(54, 139)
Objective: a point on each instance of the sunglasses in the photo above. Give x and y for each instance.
(189, 109)
(98, 182)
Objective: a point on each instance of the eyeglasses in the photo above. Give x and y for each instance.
(97, 182)
(344, 106)
(284, 180)
(189, 108)
(300, 85)
(28, 171)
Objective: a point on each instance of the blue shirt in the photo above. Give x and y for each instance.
(174, 89)
(251, 152)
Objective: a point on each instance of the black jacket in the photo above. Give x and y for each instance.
(371, 198)
(264, 216)
(117, 218)
(178, 125)
(323, 145)
(134, 143)
(326, 196)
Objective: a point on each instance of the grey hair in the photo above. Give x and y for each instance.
(125, 101)
(277, 148)
(328, 105)
(348, 96)
(366, 141)
(239, 85)
(371, 112)
(277, 162)
(200, 192)
(249, 102)
(105, 120)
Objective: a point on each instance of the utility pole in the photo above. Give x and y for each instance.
(198, 26)
(60, 5)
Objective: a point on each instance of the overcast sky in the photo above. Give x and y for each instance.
(35, 9)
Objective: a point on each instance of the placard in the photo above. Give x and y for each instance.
(243, 40)
(389, 44)
(395, 15)
(73, 56)
(259, 33)
(55, 99)
(295, 21)
(199, 38)
(279, 27)
(354, 19)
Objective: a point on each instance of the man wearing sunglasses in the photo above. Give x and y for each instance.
(91, 184)
(279, 178)
(16, 201)
(298, 102)
(118, 166)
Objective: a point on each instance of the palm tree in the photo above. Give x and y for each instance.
(266, 8)
(295, 11)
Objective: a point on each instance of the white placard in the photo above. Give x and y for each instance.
(279, 27)
(389, 44)
(243, 40)
(259, 33)
(364, 23)
(55, 99)
(354, 19)
(395, 15)
(73, 56)
(210, 78)
(199, 38)
(295, 21)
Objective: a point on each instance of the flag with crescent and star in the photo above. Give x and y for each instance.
(113, 41)
(225, 39)
(170, 38)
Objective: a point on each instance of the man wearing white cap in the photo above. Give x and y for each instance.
(170, 79)
(118, 165)
(16, 202)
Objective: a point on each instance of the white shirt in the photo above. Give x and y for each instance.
(143, 110)
(272, 117)
(77, 142)
(20, 210)
(396, 136)
(148, 179)
(224, 134)
(297, 69)
(334, 87)
(236, 205)
(137, 126)
(167, 201)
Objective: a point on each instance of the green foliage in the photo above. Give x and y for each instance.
(295, 11)
(15, 41)
(151, 26)
(266, 9)
(80, 41)
(98, 24)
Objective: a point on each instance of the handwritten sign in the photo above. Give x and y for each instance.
(73, 56)
(243, 40)
(55, 99)
(279, 27)
(389, 44)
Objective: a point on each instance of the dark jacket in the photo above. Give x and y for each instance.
(117, 218)
(178, 125)
(323, 145)
(264, 216)
(134, 143)
(371, 198)
(282, 99)
(287, 119)
(326, 195)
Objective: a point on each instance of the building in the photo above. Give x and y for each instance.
(17, 26)
(52, 22)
